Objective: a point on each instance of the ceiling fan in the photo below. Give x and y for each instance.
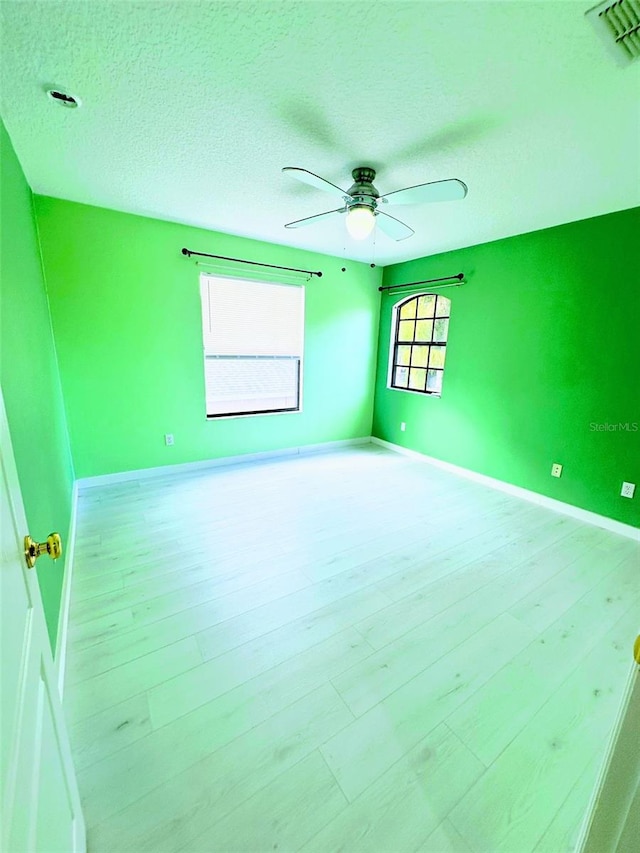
(362, 201)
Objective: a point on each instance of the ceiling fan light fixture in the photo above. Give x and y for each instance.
(361, 201)
(361, 221)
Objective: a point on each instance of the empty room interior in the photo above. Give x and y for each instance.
(320, 329)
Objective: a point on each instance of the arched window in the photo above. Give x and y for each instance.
(419, 343)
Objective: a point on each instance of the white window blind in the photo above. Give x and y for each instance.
(253, 335)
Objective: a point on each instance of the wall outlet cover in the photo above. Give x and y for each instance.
(628, 490)
(556, 469)
(403, 426)
(168, 439)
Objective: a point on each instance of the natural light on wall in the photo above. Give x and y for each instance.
(253, 336)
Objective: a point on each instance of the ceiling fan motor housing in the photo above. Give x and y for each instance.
(363, 191)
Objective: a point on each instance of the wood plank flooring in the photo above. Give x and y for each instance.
(350, 651)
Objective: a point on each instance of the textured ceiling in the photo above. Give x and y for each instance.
(190, 109)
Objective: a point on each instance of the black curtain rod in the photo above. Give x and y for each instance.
(459, 276)
(189, 252)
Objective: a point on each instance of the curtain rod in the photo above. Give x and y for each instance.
(459, 276)
(189, 253)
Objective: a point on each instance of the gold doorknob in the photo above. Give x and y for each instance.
(33, 550)
(636, 649)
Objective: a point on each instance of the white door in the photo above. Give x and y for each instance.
(612, 823)
(40, 803)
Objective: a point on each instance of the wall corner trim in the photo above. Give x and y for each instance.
(60, 656)
(583, 515)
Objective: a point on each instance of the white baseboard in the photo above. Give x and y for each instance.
(517, 491)
(185, 467)
(60, 658)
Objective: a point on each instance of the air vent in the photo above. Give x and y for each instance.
(63, 98)
(618, 24)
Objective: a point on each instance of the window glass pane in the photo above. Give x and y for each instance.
(424, 329)
(404, 355)
(436, 357)
(443, 308)
(419, 356)
(405, 332)
(408, 310)
(416, 379)
(401, 376)
(426, 305)
(434, 381)
(440, 329)
(419, 343)
(239, 385)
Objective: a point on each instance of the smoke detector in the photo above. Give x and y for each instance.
(617, 22)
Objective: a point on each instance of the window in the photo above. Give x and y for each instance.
(253, 336)
(419, 343)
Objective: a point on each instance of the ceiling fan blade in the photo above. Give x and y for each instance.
(392, 227)
(451, 190)
(315, 181)
(300, 223)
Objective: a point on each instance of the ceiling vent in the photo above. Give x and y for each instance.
(618, 24)
(63, 98)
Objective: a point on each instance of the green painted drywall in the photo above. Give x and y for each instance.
(544, 346)
(30, 379)
(125, 306)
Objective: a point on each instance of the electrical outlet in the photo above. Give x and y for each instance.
(556, 469)
(628, 490)
(403, 426)
(168, 439)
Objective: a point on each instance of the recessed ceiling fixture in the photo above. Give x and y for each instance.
(64, 98)
(362, 201)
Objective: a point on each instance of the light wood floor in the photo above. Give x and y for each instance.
(350, 651)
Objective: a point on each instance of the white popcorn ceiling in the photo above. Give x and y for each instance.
(190, 109)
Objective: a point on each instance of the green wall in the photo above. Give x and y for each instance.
(125, 306)
(30, 379)
(544, 342)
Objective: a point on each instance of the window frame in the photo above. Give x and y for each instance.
(396, 342)
(298, 359)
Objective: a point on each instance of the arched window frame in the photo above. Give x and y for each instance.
(418, 344)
